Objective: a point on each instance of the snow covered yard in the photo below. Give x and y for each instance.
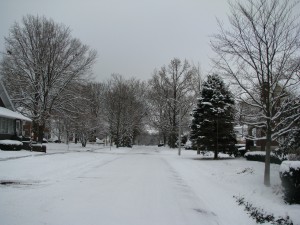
(142, 185)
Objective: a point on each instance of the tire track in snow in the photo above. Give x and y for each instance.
(188, 199)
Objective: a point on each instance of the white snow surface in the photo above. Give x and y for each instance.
(206, 103)
(255, 153)
(133, 186)
(10, 142)
(7, 113)
(286, 165)
(258, 153)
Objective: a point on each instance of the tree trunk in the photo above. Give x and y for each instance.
(35, 131)
(164, 138)
(41, 129)
(83, 141)
(172, 139)
(267, 160)
(198, 150)
(216, 154)
(67, 135)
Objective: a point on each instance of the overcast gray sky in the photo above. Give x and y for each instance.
(132, 37)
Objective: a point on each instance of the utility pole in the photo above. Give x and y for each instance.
(179, 126)
(179, 131)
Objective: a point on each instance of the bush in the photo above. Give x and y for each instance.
(26, 145)
(261, 156)
(241, 149)
(231, 150)
(290, 180)
(38, 148)
(10, 145)
(260, 215)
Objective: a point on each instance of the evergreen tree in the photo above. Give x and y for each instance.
(212, 124)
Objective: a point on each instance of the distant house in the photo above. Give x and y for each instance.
(241, 132)
(11, 122)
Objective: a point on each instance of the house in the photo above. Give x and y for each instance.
(11, 122)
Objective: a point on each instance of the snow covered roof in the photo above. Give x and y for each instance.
(5, 98)
(7, 113)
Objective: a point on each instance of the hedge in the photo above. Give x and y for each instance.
(14, 145)
(290, 180)
(261, 156)
(38, 148)
(10, 145)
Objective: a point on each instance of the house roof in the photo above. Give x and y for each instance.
(5, 98)
(7, 113)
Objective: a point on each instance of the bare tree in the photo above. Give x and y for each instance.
(158, 110)
(83, 115)
(43, 60)
(85, 121)
(260, 54)
(72, 114)
(125, 109)
(198, 80)
(95, 94)
(172, 88)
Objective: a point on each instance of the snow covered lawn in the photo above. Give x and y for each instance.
(142, 185)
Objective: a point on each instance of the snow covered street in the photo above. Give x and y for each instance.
(143, 185)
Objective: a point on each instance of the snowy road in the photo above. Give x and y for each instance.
(133, 187)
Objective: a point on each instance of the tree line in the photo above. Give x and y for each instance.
(47, 74)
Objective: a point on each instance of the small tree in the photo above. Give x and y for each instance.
(172, 89)
(125, 109)
(212, 124)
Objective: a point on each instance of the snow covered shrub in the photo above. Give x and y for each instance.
(10, 145)
(290, 179)
(262, 216)
(188, 145)
(38, 148)
(26, 145)
(260, 157)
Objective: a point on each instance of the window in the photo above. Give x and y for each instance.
(18, 127)
(6, 126)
